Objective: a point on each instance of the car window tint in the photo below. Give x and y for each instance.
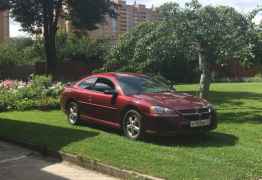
(141, 84)
(88, 84)
(103, 84)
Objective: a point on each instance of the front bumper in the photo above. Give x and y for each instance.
(176, 125)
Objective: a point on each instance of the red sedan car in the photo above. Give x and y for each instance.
(136, 103)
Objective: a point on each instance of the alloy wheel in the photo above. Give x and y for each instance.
(133, 125)
(73, 113)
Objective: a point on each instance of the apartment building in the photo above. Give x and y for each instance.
(138, 13)
(128, 16)
(4, 25)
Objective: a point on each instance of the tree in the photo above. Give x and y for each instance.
(3, 4)
(258, 45)
(18, 51)
(217, 34)
(257, 41)
(82, 49)
(35, 15)
(153, 48)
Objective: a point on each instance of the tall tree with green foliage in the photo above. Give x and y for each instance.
(37, 15)
(153, 48)
(207, 35)
(257, 40)
(217, 33)
(258, 46)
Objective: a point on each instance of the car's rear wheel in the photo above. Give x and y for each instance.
(73, 113)
(133, 125)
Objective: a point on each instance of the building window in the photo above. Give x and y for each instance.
(114, 25)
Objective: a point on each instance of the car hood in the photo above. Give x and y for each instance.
(177, 101)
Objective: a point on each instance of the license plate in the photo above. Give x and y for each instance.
(200, 123)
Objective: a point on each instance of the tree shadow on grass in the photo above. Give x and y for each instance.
(211, 139)
(52, 137)
(230, 99)
(252, 117)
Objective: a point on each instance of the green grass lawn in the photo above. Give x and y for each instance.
(233, 151)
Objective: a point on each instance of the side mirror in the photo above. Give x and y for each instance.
(111, 92)
(68, 84)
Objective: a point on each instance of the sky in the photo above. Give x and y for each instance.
(243, 6)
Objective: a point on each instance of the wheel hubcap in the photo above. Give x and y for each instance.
(133, 125)
(73, 114)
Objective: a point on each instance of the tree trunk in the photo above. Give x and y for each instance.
(205, 79)
(51, 58)
(50, 25)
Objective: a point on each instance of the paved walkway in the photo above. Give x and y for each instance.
(17, 163)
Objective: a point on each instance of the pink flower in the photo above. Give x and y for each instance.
(8, 84)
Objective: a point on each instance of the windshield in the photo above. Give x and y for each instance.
(142, 84)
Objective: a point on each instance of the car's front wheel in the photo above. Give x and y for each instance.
(73, 113)
(133, 125)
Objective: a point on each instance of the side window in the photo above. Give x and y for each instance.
(88, 83)
(103, 84)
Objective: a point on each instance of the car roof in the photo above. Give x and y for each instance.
(118, 74)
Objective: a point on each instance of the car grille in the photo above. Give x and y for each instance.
(196, 114)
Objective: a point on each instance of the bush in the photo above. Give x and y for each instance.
(19, 52)
(256, 78)
(40, 93)
(69, 46)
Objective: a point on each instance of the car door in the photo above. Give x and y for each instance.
(104, 105)
(83, 96)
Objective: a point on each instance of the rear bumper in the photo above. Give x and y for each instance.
(175, 125)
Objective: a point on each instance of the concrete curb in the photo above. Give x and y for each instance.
(83, 162)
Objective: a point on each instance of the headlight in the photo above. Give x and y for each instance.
(160, 110)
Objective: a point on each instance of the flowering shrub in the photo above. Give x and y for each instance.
(39, 93)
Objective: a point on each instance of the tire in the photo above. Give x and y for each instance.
(133, 125)
(73, 113)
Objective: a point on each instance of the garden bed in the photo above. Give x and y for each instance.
(37, 93)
